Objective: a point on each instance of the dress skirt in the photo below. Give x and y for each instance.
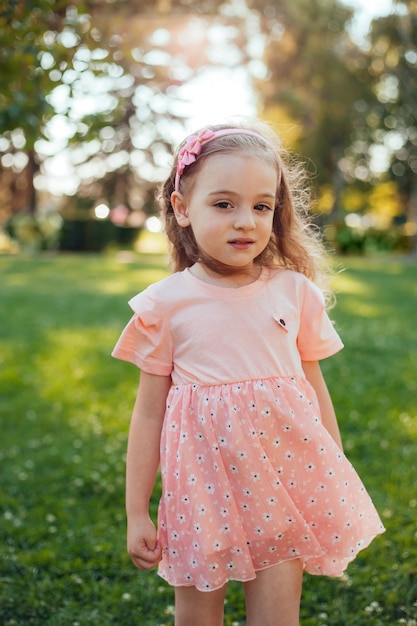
(251, 478)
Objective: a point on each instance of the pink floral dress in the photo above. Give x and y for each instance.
(250, 476)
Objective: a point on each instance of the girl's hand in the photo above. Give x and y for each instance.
(142, 543)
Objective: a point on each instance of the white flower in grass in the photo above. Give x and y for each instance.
(374, 607)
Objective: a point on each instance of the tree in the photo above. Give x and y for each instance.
(393, 121)
(130, 62)
(37, 43)
(316, 80)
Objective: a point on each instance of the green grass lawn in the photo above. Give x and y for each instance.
(65, 407)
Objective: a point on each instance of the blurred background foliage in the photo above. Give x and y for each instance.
(92, 100)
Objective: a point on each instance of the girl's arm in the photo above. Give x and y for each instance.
(314, 376)
(141, 468)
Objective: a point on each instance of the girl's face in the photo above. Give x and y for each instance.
(230, 207)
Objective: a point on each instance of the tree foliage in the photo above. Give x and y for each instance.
(317, 80)
(393, 122)
(106, 78)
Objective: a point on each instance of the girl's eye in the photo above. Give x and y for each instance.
(223, 204)
(263, 207)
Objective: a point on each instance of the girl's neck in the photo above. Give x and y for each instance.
(234, 280)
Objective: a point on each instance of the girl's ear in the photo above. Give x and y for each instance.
(180, 209)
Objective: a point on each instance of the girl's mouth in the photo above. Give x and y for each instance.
(241, 244)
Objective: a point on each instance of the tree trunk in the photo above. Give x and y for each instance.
(31, 169)
(336, 214)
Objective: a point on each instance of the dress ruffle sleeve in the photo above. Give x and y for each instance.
(317, 337)
(146, 340)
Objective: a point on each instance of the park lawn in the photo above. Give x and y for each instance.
(65, 408)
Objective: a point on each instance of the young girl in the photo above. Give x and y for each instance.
(231, 401)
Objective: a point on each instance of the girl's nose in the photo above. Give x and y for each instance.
(245, 219)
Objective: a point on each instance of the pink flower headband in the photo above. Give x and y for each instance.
(194, 143)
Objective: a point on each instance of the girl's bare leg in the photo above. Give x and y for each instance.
(194, 607)
(273, 597)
